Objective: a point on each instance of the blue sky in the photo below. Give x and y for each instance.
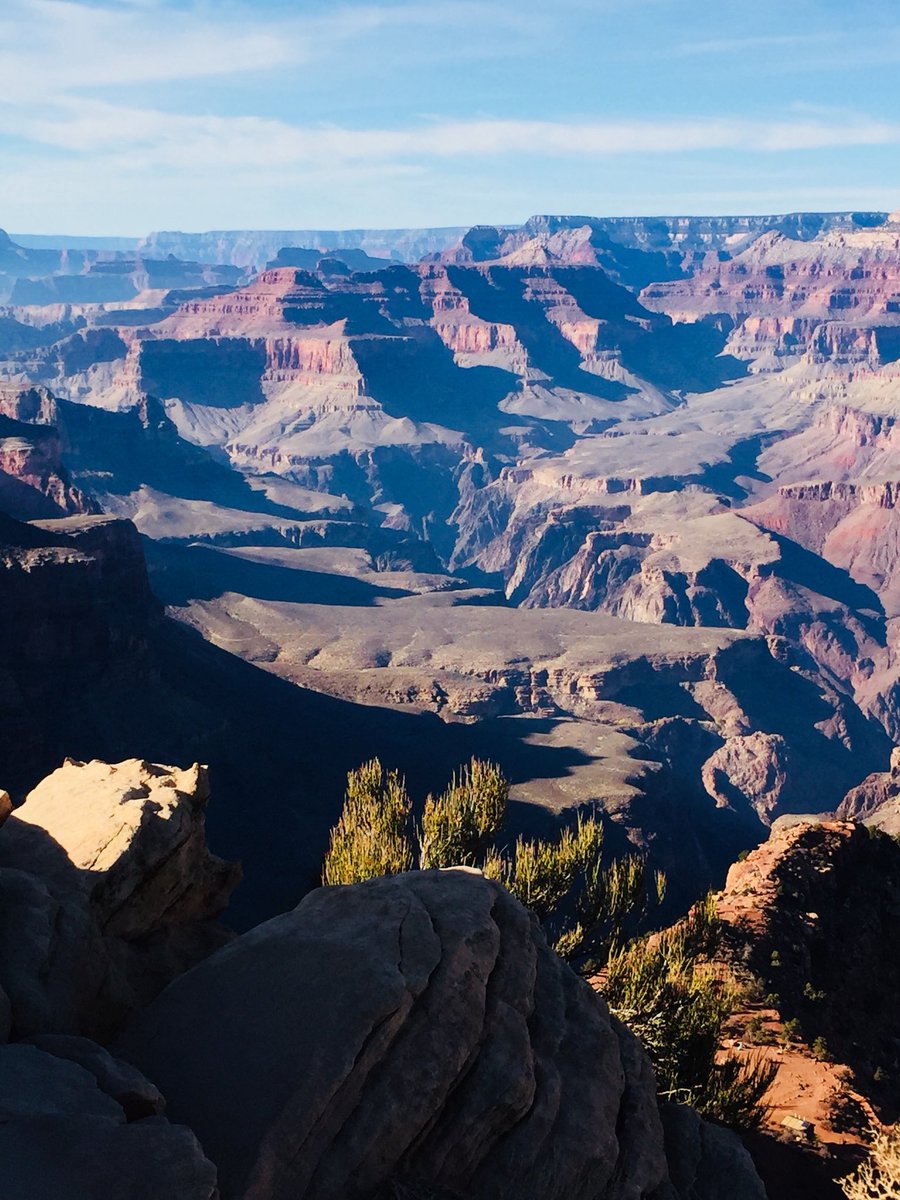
(123, 116)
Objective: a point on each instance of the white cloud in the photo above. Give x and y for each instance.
(166, 139)
(55, 48)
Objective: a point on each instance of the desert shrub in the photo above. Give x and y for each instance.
(758, 1032)
(584, 905)
(542, 873)
(878, 1177)
(372, 836)
(790, 1031)
(461, 825)
(670, 994)
(734, 1093)
(820, 1049)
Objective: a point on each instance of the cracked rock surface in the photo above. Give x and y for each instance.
(413, 1031)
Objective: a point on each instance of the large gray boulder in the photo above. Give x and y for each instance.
(414, 1031)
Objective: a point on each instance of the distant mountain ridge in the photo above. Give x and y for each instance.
(253, 248)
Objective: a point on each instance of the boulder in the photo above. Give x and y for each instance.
(107, 891)
(63, 1136)
(58, 972)
(134, 834)
(706, 1162)
(77, 1158)
(36, 1084)
(136, 1096)
(414, 1032)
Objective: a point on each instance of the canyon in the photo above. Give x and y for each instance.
(618, 493)
(612, 503)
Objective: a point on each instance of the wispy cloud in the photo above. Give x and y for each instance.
(269, 111)
(749, 43)
(807, 51)
(61, 47)
(167, 139)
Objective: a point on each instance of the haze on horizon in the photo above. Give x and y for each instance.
(122, 116)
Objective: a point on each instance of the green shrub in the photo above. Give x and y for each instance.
(372, 836)
(460, 826)
(584, 905)
(820, 1050)
(791, 1030)
(669, 993)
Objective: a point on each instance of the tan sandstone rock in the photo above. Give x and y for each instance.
(134, 831)
(107, 891)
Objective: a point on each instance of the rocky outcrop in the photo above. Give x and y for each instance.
(876, 801)
(705, 1160)
(33, 481)
(749, 771)
(414, 1031)
(815, 914)
(134, 833)
(108, 892)
(65, 1134)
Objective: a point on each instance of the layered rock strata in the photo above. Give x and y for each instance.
(414, 1031)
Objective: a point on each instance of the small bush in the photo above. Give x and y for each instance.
(791, 1030)
(820, 1050)
(461, 825)
(666, 989)
(372, 836)
(878, 1177)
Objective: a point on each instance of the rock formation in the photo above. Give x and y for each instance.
(106, 893)
(876, 801)
(64, 1133)
(417, 1031)
(109, 891)
(815, 914)
(413, 1032)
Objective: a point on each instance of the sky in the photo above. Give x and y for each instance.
(122, 116)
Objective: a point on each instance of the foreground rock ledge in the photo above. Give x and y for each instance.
(414, 1030)
(107, 892)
